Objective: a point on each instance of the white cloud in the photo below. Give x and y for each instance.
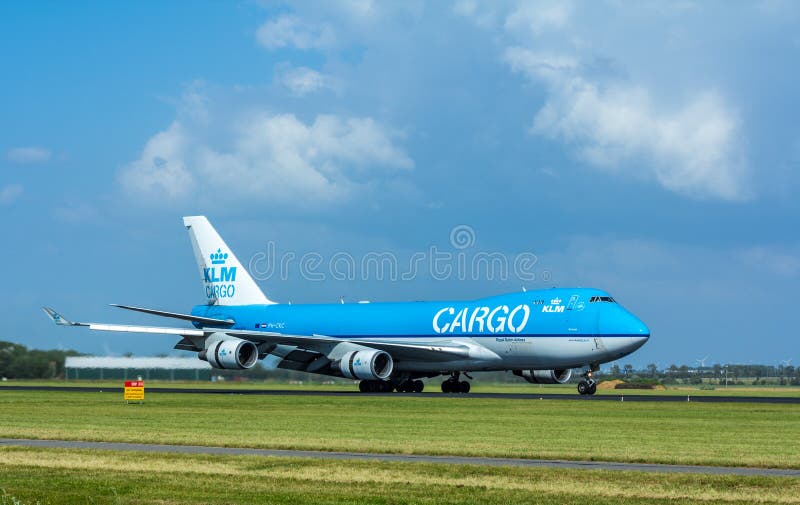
(361, 10)
(276, 158)
(10, 193)
(291, 31)
(28, 155)
(481, 13)
(161, 170)
(692, 149)
(301, 81)
(538, 16)
(777, 260)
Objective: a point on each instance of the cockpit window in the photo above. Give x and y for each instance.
(606, 299)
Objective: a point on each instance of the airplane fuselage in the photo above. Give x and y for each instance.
(540, 329)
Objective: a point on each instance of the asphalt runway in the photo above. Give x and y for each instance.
(616, 397)
(405, 458)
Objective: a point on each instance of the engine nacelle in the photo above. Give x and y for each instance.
(366, 365)
(229, 353)
(545, 376)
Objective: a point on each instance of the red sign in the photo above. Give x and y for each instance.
(134, 384)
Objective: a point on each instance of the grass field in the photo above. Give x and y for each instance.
(761, 435)
(99, 477)
(432, 386)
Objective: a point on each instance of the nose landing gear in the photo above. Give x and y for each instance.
(588, 386)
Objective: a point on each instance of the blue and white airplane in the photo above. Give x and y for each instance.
(540, 335)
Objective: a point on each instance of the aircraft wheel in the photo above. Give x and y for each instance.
(583, 388)
(463, 387)
(592, 389)
(447, 386)
(362, 386)
(418, 386)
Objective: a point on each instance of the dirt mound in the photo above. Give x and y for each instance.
(609, 384)
(620, 384)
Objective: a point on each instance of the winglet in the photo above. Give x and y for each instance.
(58, 318)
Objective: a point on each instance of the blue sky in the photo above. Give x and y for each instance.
(648, 149)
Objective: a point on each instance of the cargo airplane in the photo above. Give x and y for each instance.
(540, 335)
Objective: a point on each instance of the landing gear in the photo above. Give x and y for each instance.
(588, 386)
(411, 386)
(453, 385)
(375, 386)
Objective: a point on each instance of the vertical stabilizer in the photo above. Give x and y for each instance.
(225, 280)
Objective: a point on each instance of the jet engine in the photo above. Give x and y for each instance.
(545, 376)
(366, 365)
(229, 353)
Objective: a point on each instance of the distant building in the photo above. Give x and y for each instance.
(101, 367)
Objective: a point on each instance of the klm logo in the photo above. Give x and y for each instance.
(225, 274)
(218, 258)
(555, 306)
(219, 279)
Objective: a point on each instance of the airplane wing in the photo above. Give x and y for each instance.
(436, 351)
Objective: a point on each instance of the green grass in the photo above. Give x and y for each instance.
(100, 477)
(762, 435)
(432, 386)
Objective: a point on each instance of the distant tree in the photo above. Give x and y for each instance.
(615, 370)
(652, 369)
(17, 362)
(9, 352)
(717, 369)
(673, 369)
(628, 369)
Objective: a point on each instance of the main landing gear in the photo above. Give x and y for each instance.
(411, 386)
(375, 386)
(453, 385)
(588, 386)
(379, 386)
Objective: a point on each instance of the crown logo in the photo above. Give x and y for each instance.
(218, 258)
(555, 301)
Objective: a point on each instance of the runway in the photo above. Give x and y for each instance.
(405, 458)
(616, 397)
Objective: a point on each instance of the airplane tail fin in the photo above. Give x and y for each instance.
(225, 280)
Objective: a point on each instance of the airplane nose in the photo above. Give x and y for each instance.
(638, 331)
(621, 332)
(641, 329)
(630, 332)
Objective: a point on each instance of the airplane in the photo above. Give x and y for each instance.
(539, 335)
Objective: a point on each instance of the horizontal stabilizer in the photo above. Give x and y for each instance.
(175, 315)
